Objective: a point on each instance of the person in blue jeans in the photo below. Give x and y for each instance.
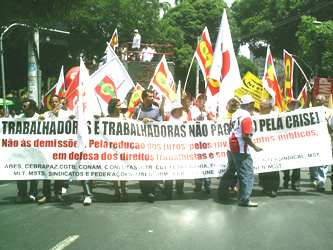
(239, 157)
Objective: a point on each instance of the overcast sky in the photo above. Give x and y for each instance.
(229, 2)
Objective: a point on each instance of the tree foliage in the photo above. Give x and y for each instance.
(315, 41)
(283, 25)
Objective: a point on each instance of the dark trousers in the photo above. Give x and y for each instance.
(168, 186)
(148, 187)
(228, 178)
(122, 186)
(205, 181)
(295, 176)
(270, 181)
(87, 188)
(58, 184)
(22, 187)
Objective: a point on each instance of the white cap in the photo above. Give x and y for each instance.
(246, 99)
(176, 105)
(201, 95)
(123, 106)
(136, 30)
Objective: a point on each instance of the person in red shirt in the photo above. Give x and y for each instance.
(239, 157)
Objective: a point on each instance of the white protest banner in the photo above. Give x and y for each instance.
(132, 150)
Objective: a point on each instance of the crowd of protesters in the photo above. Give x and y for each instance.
(238, 177)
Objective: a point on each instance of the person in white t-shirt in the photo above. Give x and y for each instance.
(29, 109)
(60, 186)
(198, 113)
(177, 117)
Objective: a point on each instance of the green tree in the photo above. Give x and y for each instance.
(315, 40)
(91, 23)
(276, 21)
(246, 65)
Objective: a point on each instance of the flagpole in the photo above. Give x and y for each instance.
(99, 104)
(197, 76)
(188, 73)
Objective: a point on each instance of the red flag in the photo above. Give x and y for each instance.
(47, 96)
(72, 84)
(270, 82)
(163, 80)
(71, 76)
(288, 76)
(204, 56)
(135, 99)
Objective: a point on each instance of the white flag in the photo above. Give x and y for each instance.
(82, 105)
(60, 86)
(109, 81)
(225, 69)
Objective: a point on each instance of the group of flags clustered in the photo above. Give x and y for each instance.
(219, 69)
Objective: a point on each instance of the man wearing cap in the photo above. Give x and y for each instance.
(177, 117)
(240, 157)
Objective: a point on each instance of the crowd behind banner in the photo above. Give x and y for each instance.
(156, 134)
(188, 144)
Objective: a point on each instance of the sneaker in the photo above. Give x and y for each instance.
(32, 198)
(63, 190)
(42, 200)
(273, 194)
(151, 197)
(248, 204)
(87, 201)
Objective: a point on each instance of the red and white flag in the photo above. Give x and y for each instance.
(204, 56)
(47, 96)
(162, 81)
(302, 80)
(224, 73)
(288, 62)
(135, 98)
(270, 82)
(72, 83)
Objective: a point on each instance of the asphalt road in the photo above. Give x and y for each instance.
(293, 220)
